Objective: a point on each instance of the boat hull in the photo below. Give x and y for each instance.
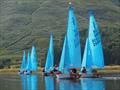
(90, 76)
(63, 76)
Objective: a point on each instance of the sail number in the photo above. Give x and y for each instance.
(96, 40)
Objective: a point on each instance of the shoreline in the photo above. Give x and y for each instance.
(106, 70)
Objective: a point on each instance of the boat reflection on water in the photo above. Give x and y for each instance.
(49, 83)
(29, 82)
(82, 84)
(92, 84)
(69, 85)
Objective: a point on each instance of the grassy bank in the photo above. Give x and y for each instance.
(110, 69)
(107, 69)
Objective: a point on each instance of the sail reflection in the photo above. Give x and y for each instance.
(92, 84)
(49, 83)
(29, 82)
(24, 82)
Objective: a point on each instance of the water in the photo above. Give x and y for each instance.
(38, 82)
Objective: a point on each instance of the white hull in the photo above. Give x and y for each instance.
(63, 76)
(89, 76)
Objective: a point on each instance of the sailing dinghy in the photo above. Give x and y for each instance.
(31, 62)
(71, 53)
(93, 52)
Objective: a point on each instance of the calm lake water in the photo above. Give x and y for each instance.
(38, 82)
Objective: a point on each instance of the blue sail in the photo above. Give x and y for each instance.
(34, 59)
(65, 59)
(50, 56)
(87, 59)
(49, 83)
(73, 40)
(95, 43)
(24, 62)
(28, 66)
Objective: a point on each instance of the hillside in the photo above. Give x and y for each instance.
(27, 22)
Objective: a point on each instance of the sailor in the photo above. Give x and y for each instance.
(55, 68)
(20, 72)
(28, 72)
(74, 74)
(84, 70)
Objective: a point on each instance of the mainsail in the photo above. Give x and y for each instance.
(95, 43)
(50, 56)
(73, 40)
(24, 62)
(34, 59)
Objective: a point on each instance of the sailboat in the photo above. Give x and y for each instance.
(93, 53)
(29, 65)
(71, 53)
(50, 57)
(24, 62)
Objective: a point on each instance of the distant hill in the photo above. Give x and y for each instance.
(27, 22)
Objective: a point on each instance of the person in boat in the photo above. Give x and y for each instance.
(95, 73)
(21, 72)
(55, 68)
(28, 72)
(74, 74)
(84, 70)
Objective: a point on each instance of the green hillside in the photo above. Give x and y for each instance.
(27, 22)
